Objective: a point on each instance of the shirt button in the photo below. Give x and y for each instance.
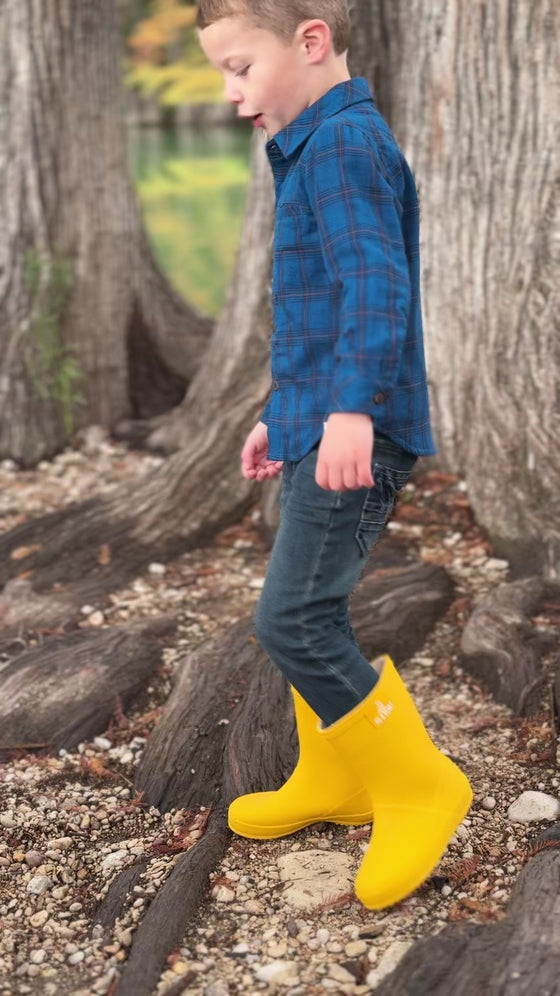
(378, 399)
(275, 385)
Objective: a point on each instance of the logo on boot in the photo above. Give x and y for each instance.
(384, 710)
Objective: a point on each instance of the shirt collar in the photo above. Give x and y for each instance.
(343, 95)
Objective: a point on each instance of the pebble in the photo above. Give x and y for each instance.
(114, 860)
(489, 802)
(76, 958)
(340, 974)
(103, 743)
(355, 948)
(253, 907)
(96, 618)
(39, 884)
(222, 894)
(388, 962)
(277, 972)
(216, 989)
(532, 806)
(34, 858)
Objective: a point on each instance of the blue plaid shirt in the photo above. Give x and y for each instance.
(346, 278)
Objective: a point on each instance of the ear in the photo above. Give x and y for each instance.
(315, 40)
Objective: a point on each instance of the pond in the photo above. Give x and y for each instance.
(192, 186)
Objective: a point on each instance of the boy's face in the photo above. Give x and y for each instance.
(267, 78)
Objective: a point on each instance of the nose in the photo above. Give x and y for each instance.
(233, 93)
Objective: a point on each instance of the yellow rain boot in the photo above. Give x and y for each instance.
(419, 795)
(321, 788)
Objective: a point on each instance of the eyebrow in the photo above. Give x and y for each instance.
(227, 63)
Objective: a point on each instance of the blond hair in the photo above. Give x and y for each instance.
(282, 17)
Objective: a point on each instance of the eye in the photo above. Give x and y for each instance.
(243, 72)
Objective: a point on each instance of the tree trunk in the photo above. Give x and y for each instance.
(520, 956)
(84, 309)
(199, 490)
(500, 647)
(487, 342)
(471, 92)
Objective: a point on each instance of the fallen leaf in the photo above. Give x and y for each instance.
(92, 766)
(21, 552)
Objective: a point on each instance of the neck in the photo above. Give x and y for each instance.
(335, 72)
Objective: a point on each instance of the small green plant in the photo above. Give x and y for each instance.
(52, 370)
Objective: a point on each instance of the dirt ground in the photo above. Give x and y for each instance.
(69, 823)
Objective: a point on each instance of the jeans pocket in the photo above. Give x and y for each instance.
(378, 504)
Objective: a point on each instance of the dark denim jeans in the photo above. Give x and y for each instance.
(320, 551)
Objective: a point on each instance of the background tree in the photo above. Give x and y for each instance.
(465, 91)
(471, 91)
(90, 331)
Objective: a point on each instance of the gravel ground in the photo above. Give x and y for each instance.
(70, 823)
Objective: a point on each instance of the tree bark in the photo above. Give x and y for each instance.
(520, 956)
(471, 92)
(81, 677)
(78, 282)
(199, 490)
(499, 646)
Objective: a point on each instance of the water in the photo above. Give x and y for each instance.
(192, 186)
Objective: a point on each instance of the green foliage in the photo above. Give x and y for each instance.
(193, 211)
(166, 59)
(52, 370)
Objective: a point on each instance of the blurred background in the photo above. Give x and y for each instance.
(189, 157)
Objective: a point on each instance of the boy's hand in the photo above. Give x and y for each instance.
(255, 465)
(345, 452)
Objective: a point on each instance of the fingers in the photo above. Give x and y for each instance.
(343, 477)
(271, 469)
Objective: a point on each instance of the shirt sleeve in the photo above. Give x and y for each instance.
(358, 218)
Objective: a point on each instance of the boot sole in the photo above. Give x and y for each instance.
(272, 833)
(455, 818)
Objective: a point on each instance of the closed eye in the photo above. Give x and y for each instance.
(243, 72)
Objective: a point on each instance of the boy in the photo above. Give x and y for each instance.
(347, 355)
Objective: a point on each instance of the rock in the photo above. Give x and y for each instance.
(216, 989)
(180, 967)
(113, 860)
(531, 806)
(222, 894)
(103, 743)
(372, 930)
(489, 802)
(388, 962)
(96, 618)
(314, 876)
(60, 844)
(340, 974)
(253, 907)
(34, 858)
(278, 950)
(278, 973)
(76, 958)
(39, 919)
(355, 948)
(39, 884)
